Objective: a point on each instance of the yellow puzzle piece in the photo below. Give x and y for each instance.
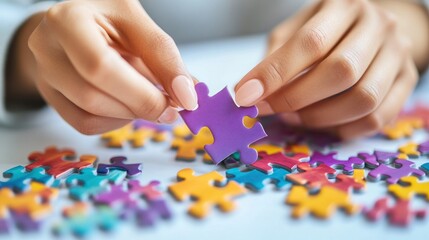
(268, 148)
(206, 194)
(299, 148)
(410, 149)
(322, 205)
(403, 127)
(138, 137)
(188, 145)
(411, 187)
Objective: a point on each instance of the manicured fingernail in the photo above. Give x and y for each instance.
(249, 92)
(291, 118)
(168, 116)
(184, 90)
(264, 108)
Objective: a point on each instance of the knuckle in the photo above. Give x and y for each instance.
(163, 40)
(314, 41)
(346, 73)
(64, 10)
(368, 98)
(150, 108)
(274, 73)
(95, 70)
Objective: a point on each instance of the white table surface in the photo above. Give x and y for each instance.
(259, 215)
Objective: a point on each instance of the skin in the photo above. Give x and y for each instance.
(345, 66)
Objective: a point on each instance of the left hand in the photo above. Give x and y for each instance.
(337, 65)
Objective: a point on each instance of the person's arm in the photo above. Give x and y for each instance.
(13, 19)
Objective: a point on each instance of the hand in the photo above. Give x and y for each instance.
(99, 64)
(337, 65)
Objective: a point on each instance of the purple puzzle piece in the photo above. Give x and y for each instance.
(385, 157)
(132, 170)
(369, 159)
(423, 148)
(25, 223)
(318, 158)
(4, 226)
(225, 120)
(147, 216)
(403, 168)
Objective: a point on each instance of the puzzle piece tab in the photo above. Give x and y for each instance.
(312, 177)
(57, 162)
(188, 145)
(19, 179)
(87, 183)
(329, 160)
(402, 168)
(255, 179)
(409, 187)
(266, 161)
(133, 169)
(322, 205)
(225, 120)
(206, 194)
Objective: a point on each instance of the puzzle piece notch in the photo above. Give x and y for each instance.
(206, 194)
(56, 161)
(399, 214)
(402, 168)
(312, 177)
(19, 178)
(255, 179)
(410, 186)
(329, 159)
(87, 183)
(225, 120)
(268, 161)
(321, 204)
(133, 169)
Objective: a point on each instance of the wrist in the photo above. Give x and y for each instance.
(21, 70)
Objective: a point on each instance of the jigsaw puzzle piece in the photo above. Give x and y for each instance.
(19, 178)
(189, 145)
(25, 223)
(399, 214)
(87, 183)
(410, 149)
(402, 168)
(225, 120)
(425, 168)
(409, 187)
(346, 183)
(232, 161)
(329, 160)
(423, 148)
(255, 179)
(267, 148)
(206, 194)
(298, 148)
(322, 205)
(403, 127)
(133, 169)
(58, 163)
(312, 177)
(266, 161)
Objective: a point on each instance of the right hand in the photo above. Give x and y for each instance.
(99, 62)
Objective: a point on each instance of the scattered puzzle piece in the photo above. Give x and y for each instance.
(87, 183)
(132, 170)
(138, 137)
(410, 149)
(298, 148)
(267, 148)
(425, 168)
(82, 224)
(423, 148)
(225, 120)
(206, 195)
(402, 168)
(266, 161)
(346, 183)
(403, 127)
(57, 161)
(34, 202)
(328, 159)
(400, 214)
(25, 223)
(255, 179)
(19, 179)
(410, 186)
(312, 177)
(322, 205)
(188, 145)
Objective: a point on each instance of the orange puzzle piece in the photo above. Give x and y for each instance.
(322, 205)
(403, 127)
(410, 186)
(34, 202)
(298, 148)
(138, 137)
(206, 194)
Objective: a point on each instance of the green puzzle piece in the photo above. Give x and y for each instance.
(87, 183)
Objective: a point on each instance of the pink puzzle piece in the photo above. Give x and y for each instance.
(268, 161)
(225, 120)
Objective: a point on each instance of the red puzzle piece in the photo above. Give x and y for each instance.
(268, 161)
(312, 177)
(57, 163)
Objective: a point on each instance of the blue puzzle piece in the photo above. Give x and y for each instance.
(83, 224)
(425, 168)
(254, 179)
(132, 169)
(87, 183)
(19, 178)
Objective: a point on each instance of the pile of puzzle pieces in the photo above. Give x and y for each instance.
(303, 165)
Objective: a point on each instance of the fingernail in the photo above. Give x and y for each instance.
(168, 116)
(291, 118)
(249, 92)
(264, 108)
(184, 90)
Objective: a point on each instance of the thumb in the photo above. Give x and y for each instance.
(161, 55)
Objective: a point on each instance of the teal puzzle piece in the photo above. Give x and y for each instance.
(255, 179)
